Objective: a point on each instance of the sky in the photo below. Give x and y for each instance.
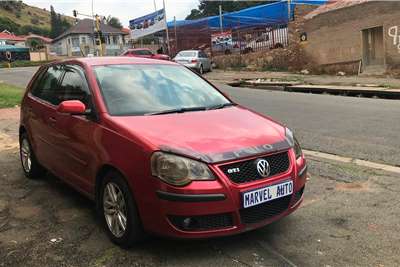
(125, 10)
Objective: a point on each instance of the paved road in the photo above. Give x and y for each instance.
(17, 76)
(357, 127)
(349, 217)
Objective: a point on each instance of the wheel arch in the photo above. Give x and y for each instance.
(103, 170)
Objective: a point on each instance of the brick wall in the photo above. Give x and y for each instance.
(335, 37)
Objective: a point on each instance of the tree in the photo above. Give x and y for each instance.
(211, 8)
(58, 25)
(113, 22)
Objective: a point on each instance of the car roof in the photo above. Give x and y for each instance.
(98, 61)
(136, 49)
(189, 51)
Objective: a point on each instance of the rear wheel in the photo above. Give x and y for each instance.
(201, 70)
(30, 165)
(119, 211)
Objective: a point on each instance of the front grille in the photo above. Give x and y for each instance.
(279, 163)
(204, 222)
(265, 211)
(297, 196)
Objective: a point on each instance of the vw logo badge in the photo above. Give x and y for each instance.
(263, 167)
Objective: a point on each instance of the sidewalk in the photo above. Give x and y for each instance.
(365, 81)
(386, 87)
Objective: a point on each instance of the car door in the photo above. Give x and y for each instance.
(77, 135)
(204, 60)
(41, 106)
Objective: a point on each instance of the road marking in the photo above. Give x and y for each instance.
(359, 162)
(271, 250)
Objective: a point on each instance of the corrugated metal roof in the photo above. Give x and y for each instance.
(11, 37)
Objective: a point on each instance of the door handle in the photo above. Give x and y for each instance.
(52, 121)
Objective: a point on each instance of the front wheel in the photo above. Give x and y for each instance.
(119, 211)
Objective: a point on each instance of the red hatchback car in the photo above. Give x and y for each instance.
(144, 53)
(158, 148)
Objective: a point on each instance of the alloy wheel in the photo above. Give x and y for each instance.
(115, 210)
(25, 152)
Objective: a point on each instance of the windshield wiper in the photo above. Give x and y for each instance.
(177, 110)
(221, 106)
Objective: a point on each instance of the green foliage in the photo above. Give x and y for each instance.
(23, 63)
(114, 22)
(8, 24)
(11, 5)
(10, 96)
(58, 25)
(211, 8)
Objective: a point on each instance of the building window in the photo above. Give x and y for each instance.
(75, 41)
(115, 39)
(83, 40)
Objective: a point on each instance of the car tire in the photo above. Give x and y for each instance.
(201, 70)
(30, 165)
(115, 196)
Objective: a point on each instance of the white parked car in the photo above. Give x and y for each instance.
(194, 59)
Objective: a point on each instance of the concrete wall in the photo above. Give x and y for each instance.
(336, 36)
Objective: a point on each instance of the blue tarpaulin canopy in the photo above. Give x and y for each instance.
(262, 15)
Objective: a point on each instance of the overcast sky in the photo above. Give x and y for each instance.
(125, 10)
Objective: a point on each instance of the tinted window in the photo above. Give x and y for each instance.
(141, 89)
(74, 86)
(142, 52)
(47, 89)
(202, 54)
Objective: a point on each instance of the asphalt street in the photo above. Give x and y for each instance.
(361, 128)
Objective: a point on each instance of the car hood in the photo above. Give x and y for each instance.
(212, 136)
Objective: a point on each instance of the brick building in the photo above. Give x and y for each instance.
(342, 33)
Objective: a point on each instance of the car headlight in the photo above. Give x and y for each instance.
(293, 142)
(179, 171)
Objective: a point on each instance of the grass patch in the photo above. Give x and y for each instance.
(24, 63)
(10, 95)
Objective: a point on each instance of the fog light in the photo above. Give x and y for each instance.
(186, 223)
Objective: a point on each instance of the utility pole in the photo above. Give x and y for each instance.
(220, 18)
(165, 21)
(155, 6)
(97, 33)
(176, 38)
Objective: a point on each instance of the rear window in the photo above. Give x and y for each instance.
(187, 54)
(142, 52)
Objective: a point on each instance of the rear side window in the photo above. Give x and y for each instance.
(74, 86)
(47, 88)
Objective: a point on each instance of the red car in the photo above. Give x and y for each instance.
(144, 53)
(158, 148)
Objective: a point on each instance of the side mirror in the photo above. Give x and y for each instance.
(73, 107)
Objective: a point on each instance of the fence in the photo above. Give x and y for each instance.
(252, 40)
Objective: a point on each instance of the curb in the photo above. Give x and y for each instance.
(358, 91)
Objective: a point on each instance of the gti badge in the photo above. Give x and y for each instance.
(263, 167)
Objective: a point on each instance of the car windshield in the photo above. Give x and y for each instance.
(130, 90)
(187, 54)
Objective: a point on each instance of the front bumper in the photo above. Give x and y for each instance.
(214, 208)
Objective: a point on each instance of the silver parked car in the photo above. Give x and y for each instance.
(194, 59)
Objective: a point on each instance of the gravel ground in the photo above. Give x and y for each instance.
(349, 218)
